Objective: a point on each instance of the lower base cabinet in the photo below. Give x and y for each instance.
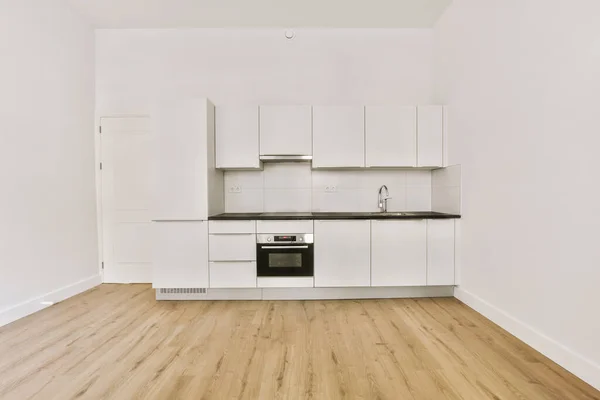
(342, 253)
(232, 275)
(180, 254)
(399, 253)
(440, 252)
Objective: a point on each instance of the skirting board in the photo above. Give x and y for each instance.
(311, 293)
(28, 307)
(568, 359)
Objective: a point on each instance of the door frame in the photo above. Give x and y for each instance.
(98, 177)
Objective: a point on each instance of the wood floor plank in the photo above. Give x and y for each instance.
(117, 342)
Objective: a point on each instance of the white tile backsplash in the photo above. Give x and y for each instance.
(287, 176)
(295, 187)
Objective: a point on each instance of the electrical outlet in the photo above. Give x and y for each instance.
(238, 189)
(331, 188)
(235, 189)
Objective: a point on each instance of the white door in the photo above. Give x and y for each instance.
(391, 136)
(338, 136)
(430, 133)
(342, 253)
(180, 254)
(126, 149)
(440, 252)
(237, 137)
(399, 253)
(285, 130)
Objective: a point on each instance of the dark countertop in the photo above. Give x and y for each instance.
(332, 215)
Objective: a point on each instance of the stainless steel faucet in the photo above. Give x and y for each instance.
(383, 200)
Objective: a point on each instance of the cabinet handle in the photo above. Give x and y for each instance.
(284, 247)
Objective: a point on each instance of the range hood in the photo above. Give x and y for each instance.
(286, 158)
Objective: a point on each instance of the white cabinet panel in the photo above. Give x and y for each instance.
(342, 253)
(285, 130)
(338, 136)
(285, 282)
(391, 136)
(181, 160)
(231, 227)
(237, 137)
(399, 253)
(440, 252)
(180, 258)
(224, 275)
(232, 247)
(430, 120)
(300, 226)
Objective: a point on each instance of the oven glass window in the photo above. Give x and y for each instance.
(285, 260)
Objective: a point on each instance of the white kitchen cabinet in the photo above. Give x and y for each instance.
(232, 247)
(399, 253)
(230, 275)
(180, 258)
(285, 130)
(440, 252)
(430, 136)
(237, 137)
(342, 253)
(391, 136)
(338, 136)
(186, 185)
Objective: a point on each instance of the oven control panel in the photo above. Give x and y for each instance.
(302, 238)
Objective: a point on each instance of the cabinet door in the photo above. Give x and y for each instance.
(342, 253)
(181, 160)
(430, 122)
(391, 136)
(338, 137)
(180, 258)
(440, 252)
(285, 130)
(232, 247)
(237, 137)
(233, 275)
(399, 253)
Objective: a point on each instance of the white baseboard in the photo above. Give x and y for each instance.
(573, 362)
(28, 307)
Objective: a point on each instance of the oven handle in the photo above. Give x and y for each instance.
(284, 247)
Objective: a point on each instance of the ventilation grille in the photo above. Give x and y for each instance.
(183, 291)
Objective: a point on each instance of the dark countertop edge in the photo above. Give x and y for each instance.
(332, 216)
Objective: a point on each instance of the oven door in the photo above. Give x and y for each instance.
(284, 260)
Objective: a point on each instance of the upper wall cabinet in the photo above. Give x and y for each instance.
(285, 130)
(237, 137)
(391, 136)
(338, 137)
(430, 122)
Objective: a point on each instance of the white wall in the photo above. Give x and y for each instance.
(48, 237)
(445, 189)
(522, 83)
(260, 66)
(294, 187)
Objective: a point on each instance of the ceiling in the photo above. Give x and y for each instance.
(262, 13)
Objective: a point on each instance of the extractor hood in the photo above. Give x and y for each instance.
(286, 158)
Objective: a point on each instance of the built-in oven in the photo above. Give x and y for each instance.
(285, 255)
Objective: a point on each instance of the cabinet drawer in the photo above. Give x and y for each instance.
(232, 247)
(300, 226)
(232, 274)
(231, 227)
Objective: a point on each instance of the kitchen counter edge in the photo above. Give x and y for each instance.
(332, 216)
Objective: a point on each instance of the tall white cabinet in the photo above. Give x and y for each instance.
(391, 136)
(399, 253)
(237, 131)
(285, 130)
(338, 137)
(187, 190)
(342, 253)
